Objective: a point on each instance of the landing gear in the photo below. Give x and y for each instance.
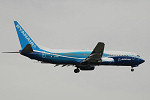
(132, 70)
(77, 70)
(132, 67)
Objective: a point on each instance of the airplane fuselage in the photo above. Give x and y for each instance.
(81, 59)
(75, 58)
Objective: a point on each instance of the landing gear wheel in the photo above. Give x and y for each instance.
(77, 70)
(132, 70)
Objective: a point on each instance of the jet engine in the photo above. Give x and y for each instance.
(86, 67)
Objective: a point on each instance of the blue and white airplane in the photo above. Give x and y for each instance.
(81, 59)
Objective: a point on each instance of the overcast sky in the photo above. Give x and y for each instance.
(123, 25)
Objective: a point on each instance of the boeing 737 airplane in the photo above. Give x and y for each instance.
(81, 59)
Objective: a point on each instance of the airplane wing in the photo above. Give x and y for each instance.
(95, 56)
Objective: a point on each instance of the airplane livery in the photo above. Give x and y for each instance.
(81, 59)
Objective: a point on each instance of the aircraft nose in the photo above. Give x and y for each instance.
(142, 60)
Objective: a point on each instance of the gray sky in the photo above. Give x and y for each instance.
(75, 24)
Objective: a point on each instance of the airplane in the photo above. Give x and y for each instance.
(81, 59)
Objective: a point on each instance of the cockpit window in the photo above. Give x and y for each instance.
(138, 55)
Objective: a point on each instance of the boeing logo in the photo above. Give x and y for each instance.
(125, 59)
(26, 36)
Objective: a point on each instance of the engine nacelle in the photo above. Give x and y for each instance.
(86, 67)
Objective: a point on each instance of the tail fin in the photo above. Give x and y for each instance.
(24, 38)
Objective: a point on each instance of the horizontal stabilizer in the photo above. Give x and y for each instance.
(10, 52)
(27, 49)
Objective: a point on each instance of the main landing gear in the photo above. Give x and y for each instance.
(132, 69)
(77, 70)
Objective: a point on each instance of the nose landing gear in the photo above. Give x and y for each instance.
(132, 67)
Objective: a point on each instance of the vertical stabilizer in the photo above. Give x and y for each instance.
(24, 38)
